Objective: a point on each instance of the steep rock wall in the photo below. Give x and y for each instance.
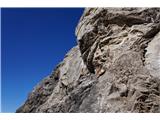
(114, 68)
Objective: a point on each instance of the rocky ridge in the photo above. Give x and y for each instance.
(114, 68)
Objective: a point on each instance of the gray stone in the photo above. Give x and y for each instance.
(114, 68)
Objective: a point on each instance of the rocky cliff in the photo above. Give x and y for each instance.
(114, 68)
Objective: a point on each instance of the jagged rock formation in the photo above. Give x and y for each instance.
(114, 68)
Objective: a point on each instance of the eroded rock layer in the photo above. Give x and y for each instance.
(114, 68)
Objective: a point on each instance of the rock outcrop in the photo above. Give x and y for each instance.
(114, 68)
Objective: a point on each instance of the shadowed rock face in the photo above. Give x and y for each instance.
(114, 68)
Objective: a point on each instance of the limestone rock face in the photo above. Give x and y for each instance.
(114, 68)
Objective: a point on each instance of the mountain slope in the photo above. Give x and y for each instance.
(114, 68)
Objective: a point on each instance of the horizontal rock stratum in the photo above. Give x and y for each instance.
(115, 66)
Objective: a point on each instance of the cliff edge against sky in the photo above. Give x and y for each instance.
(114, 68)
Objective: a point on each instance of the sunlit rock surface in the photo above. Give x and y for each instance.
(115, 66)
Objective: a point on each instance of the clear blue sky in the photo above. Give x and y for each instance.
(34, 41)
(0, 61)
